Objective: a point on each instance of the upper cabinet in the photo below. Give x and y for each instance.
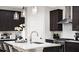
(7, 21)
(55, 17)
(75, 18)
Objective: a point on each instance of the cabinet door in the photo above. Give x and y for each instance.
(53, 20)
(71, 47)
(51, 49)
(55, 17)
(75, 21)
(7, 21)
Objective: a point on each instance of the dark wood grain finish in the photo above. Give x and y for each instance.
(55, 17)
(75, 19)
(7, 22)
(71, 47)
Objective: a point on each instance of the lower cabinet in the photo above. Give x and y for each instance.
(71, 47)
(54, 49)
(51, 49)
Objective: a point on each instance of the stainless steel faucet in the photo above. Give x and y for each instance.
(31, 35)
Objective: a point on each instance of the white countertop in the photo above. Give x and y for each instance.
(72, 41)
(26, 46)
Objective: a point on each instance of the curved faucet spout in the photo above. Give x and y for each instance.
(31, 35)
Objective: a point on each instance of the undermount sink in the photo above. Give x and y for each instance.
(38, 42)
(21, 41)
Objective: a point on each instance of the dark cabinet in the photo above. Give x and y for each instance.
(53, 49)
(71, 47)
(7, 21)
(75, 18)
(22, 20)
(55, 17)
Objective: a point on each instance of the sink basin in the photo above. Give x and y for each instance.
(38, 42)
(21, 41)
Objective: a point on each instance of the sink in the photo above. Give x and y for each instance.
(21, 41)
(38, 42)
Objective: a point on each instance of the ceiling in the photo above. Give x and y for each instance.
(16, 8)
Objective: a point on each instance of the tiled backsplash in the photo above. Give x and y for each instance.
(67, 31)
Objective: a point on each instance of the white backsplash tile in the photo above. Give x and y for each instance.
(67, 31)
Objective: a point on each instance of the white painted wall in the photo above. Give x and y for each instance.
(15, 8)
(40, 22)
(48, 33)
(67, 31)
(67, 28)
(35, 22)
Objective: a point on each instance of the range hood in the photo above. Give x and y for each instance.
(68, 15)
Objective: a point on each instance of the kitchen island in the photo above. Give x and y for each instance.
(27, 47)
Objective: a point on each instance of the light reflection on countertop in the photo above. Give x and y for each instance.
(26, 46)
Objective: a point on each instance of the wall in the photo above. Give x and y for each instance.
(15, 8)
(67, 31)
(40, 22)
(35, 22)
(48, 33)
(67, 28)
